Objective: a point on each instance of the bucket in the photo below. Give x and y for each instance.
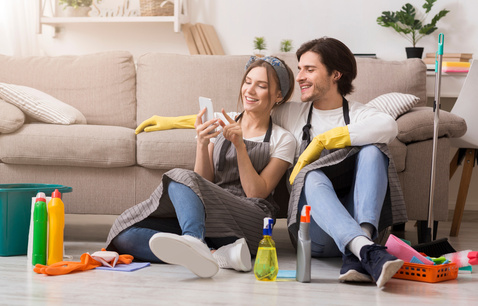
(15, 212)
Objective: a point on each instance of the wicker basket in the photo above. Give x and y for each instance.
(154, 8)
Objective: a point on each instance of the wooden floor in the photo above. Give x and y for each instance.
(174, 285)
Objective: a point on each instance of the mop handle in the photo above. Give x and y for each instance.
(436, 109)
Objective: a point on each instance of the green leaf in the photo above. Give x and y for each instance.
(428, 5)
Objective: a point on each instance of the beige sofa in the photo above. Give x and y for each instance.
(110, 168)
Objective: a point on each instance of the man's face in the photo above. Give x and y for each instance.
(314, 81)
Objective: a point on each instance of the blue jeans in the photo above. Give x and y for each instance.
(336, 221)
(191, 220)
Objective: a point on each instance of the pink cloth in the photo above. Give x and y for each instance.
(403, 251)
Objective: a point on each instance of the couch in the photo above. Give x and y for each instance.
(111, 169)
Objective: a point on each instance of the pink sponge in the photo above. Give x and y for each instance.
(403, 251)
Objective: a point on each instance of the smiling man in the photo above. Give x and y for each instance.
(344, 170)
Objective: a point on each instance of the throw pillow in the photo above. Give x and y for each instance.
(40, 105)
(11, 118)
(394, 104)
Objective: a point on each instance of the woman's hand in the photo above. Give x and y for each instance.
(232, 131)
(205, 131)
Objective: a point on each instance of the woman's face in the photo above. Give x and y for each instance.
(255, 91)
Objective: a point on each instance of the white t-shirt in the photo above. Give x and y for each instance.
(282, 142)
(367, 124)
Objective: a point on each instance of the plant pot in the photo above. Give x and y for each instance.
(81, 11)
(414, 52)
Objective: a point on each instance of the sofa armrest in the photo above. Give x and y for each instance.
(417, 125)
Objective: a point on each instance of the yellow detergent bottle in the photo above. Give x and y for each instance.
(56, 223)
(266, 266)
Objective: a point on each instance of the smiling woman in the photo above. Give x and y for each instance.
(17, 28)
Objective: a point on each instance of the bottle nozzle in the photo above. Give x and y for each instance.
(56, 194)
(40, 197)
(305, 214)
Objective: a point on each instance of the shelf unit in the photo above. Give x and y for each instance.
(180, 16)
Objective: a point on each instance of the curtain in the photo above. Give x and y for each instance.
(18, 27)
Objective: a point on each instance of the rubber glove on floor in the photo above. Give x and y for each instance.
(336, 138)
(86, 263)
(158, 123)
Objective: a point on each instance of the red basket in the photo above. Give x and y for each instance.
(427, 273)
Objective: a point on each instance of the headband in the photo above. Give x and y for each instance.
(279, 68)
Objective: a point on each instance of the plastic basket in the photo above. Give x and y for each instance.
(427, 273)
(15, 212)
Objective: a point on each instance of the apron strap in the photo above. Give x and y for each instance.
(307, 126)
(226, 144)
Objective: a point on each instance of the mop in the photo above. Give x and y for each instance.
(441, 246)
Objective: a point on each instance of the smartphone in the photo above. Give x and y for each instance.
(206, 103)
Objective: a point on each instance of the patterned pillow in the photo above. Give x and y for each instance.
(40, 105)
(11, 118)
(394, 104)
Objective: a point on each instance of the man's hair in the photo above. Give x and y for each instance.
(334, 55)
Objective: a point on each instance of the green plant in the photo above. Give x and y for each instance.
(286, 45)
(260, 43)
(75, 3)
(408, 24)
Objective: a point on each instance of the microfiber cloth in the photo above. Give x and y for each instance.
(403, 251)
(286, 274)
(125, 268)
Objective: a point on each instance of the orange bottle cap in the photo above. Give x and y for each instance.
(56, 194)
(305, 215)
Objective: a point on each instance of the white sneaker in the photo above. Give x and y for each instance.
(186, 251)
(234, 256)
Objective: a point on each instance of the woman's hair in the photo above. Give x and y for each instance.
(334, 55)
(272, 74)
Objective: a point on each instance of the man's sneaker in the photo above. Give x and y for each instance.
(234, 256)
(352, 270)
(379, 263)
(186, 251)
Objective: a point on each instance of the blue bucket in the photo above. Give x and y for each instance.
(15, 212)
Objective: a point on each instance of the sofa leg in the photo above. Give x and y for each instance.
(422, 226)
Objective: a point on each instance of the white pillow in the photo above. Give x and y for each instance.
(40, 105)
(394, 104)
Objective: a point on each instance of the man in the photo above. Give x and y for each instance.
(344, 170)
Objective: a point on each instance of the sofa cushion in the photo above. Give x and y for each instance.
(11, 117)
(399, 153)
(167, 149)
(376, 77)
(40, 105)
(101, 86)
(394, 103)
(170, 84)
(417, 125)
(69, 145)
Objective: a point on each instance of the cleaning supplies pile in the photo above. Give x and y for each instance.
(420, 267)
(48, 227)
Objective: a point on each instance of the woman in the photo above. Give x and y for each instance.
(211, 217)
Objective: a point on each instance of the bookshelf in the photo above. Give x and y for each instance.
(451, 84)
(180, 17)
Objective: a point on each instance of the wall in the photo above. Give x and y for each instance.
(238, 22)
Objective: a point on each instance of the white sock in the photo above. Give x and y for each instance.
(357, 243)
(368, 229)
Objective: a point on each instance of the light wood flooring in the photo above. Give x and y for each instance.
(174, 285)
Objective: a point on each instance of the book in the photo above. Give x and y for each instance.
(455, 55)
(431, 60)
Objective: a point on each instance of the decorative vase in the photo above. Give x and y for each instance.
(414, 52)
(81, 11)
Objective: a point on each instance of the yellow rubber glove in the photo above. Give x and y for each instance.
(158, 123)
(336, 138)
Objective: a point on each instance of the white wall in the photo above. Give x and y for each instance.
(238, 22)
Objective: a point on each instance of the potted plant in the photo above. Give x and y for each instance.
(259, 46)
(75, 8)
(286, 45)
(406, 23)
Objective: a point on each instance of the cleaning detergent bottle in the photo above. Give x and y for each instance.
(303, 247)
(56, 220)
(266, 266)
(39, 230)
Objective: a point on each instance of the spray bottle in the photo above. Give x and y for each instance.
(303, 247)
(56, 220)
(266, 266)
(39, 230)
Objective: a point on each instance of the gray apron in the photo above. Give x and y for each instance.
(338, 165)
(229, 213)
